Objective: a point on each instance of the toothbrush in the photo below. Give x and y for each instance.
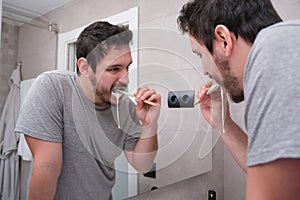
(210, 90)
(213, 88)
(131, 95)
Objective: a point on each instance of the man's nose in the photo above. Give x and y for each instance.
(124, 78)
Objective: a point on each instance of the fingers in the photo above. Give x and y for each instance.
(207, 92)
(201, 95)
(146, 94)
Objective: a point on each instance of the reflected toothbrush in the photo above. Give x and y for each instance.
(131, 95)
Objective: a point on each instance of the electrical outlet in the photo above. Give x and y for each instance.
(181, 99)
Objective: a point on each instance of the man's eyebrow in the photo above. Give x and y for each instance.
(119, 65)
(114, 65)
(194, 51)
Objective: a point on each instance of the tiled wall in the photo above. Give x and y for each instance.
(8, 58)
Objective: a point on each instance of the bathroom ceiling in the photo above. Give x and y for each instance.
(28, 9)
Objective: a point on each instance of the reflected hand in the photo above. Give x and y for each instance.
(148, 114)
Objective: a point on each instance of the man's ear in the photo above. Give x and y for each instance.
(224, 38)
(83, 67)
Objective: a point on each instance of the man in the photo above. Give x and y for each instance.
(70, 121)
(256, 55)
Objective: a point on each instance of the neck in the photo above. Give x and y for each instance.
(239, 57)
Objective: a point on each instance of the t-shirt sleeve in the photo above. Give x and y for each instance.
(272, 93)
(41, 115)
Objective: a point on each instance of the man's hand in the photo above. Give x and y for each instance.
(211, 106)
(148, 114)
(234, 138)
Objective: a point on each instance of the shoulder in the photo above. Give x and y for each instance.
(52, 84)
(283, 30)
(275, 45)
(55, 78)
(56, 74)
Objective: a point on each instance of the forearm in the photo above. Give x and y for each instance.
(235, 140)
(143, 155)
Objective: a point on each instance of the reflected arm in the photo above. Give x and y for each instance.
(143, 155)
(46, 168)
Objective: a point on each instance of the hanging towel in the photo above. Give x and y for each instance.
(9, 161)
(23, 149)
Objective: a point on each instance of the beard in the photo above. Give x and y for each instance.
(230, 82)
(101, 96)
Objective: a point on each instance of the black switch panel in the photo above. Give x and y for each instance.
(212, 195)
(152, 172)
(181, 99)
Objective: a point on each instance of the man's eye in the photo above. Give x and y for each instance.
(114, 69)
(197, 54)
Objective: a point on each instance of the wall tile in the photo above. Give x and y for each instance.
(158, 9)
(9, 52)
(287, 10)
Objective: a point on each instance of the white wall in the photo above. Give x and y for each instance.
(287, 9)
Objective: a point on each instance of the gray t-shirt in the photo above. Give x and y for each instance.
(56, 110)
(272, 94)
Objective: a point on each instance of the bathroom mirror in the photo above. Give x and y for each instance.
(162, 60)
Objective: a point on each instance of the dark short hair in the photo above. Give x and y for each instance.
(245, 18)
(96, 39)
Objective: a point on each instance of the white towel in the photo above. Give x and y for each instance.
(23, 149)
